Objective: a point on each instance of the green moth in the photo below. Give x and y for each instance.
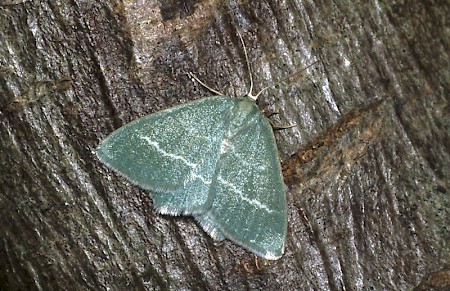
(214, 159)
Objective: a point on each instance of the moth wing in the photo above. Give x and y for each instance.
(249, 203)
(173, 153)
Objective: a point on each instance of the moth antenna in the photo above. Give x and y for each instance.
(262, 90)
(249, 94)
(190, 74)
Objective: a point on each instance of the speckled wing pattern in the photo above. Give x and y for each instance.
(249, 204)
(215, 159)
(172, 152)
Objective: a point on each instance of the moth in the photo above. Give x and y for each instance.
(215, 159)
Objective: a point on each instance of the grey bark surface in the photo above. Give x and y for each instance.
(365, 167)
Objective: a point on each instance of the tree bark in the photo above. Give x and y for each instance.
(366, 164)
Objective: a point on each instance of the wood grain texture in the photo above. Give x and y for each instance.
(366, 166)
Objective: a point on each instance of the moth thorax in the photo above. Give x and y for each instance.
(243, 114)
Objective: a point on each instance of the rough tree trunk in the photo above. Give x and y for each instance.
(366, 166)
